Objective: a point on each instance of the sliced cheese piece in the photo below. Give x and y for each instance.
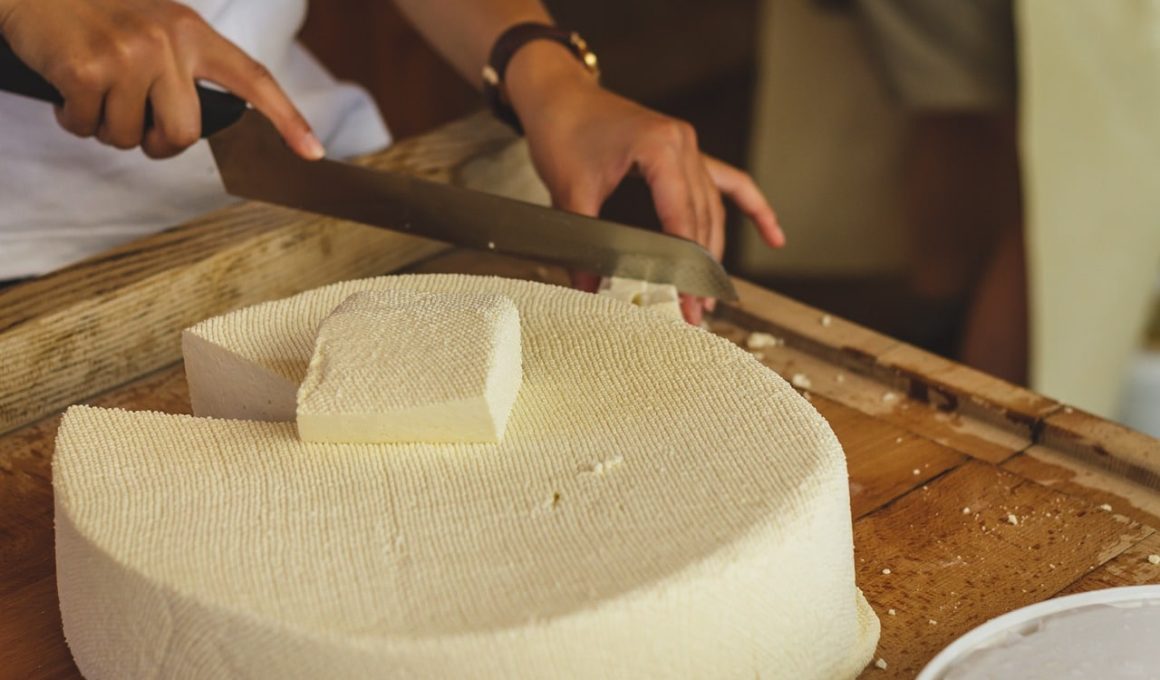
(401, 365)
(714, 540)
(661, 298)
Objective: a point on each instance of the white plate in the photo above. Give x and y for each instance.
(993, 630)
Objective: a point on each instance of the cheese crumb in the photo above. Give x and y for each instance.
(801, 380)
(491, 245)
(890, 397)
(886, 571)
(1106, 508)
(880, 663)
(932, 622)
(1154, 559)
(891, 612)
(967, 510)
(760, 340)
(1012, 520)
(604, 466)
(661, 298)
(826, 320)
(549, 504)
(916, 472)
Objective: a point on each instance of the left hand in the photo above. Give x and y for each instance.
(585, 139)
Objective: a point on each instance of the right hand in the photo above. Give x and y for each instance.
(109, 57)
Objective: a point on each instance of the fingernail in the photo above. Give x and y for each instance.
(314, 149)
(711, 304)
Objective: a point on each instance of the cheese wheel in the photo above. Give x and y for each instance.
(661, 506)
(400, 365)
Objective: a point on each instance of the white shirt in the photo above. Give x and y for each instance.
(63, 198)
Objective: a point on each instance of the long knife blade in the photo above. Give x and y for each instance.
(255, 163)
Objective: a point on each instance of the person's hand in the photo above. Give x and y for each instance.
(585, 139)
(109, 57)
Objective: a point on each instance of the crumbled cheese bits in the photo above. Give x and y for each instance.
(660, 298)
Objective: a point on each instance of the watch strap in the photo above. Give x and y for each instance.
(510, 42)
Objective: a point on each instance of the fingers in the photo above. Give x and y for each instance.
(123, 123)
(716, 245)
(673, 199)
(112, 59)
(668, 182)
(230, 67)
(740, 188)
(685, 197)
(585, 281)
(81, 113)
(692, 308)
(176, 117)
(583, 199)
(699, 189)
(84, 86)
(716, 237)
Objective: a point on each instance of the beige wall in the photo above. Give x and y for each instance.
(826, 148)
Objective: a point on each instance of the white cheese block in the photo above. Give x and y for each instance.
(661, 298)
(661, 506)
(401, 365)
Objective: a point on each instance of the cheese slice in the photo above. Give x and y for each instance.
(661, 506)
(400, 365)
(660, 298)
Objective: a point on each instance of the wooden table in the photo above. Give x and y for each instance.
(970, 497)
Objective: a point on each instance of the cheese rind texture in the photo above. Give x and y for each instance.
(661, 506)
(402, 365)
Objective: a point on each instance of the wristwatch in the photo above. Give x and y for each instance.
(508, 43)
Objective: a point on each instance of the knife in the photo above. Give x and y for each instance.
(255, 163)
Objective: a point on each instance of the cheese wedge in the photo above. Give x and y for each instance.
(400, 365)
(660, 298)
(661, 506)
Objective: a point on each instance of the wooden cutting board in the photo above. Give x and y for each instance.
(970, 497)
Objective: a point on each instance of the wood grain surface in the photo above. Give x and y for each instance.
(940, 458)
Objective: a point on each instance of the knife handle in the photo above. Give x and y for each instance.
(219, 110)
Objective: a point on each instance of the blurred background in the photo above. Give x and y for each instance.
(976, 178)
